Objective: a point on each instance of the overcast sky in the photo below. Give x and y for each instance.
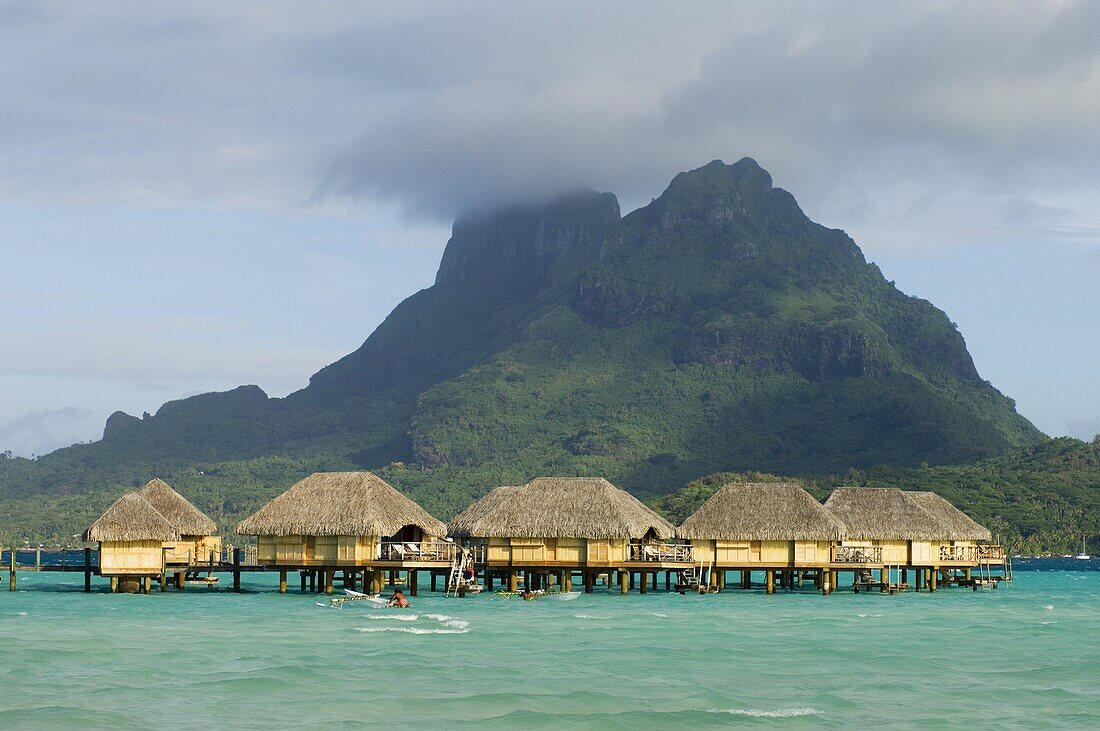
(199, 195)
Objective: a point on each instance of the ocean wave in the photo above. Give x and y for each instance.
(588, 616)
(417, 630)
(779, 713)
(395, 617)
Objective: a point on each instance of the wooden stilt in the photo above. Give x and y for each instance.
(312, 581)
(769, 581)
(181, 580)
(513, 581)
(567, 581)
(146, 582)
(413, 575)
(237, 570)
(434, 581)
(87, 569)
(624, 582)
(114, 585)
(905, 576)
(589, 580)
(643, 581)
(668, 581)
(282, 581)
(933, 579)
(746, 579)
(488, 579)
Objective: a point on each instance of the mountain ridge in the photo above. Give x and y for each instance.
(717, 328)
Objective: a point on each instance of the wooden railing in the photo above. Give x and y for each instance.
(659, 552)
(857, 554)
(972, 554)
(443, 551)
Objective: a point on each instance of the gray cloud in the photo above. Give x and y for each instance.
(862, 109)
(41, 432)
(1087, 429)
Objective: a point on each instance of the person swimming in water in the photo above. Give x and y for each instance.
(398, 600)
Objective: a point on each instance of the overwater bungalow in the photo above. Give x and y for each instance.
(773, 527)
(197, 541)
(131, 536)
(353, 522)
(965, 541)
(552, 527)
(911, 530)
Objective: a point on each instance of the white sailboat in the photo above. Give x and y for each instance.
(1083, 555)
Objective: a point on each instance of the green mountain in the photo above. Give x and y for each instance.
(1035, 499)
(717, 328)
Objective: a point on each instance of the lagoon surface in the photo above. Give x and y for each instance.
(1027, 654)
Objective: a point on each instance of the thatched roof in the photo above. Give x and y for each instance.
(960, 525)
(340, 504)
(568, 507)
(131, 518)
(883, 513)
(762, 511)
(188, 520)
(460, 525)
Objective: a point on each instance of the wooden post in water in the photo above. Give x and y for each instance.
(933, 579)
(237, 570)
(624, 582)
(513, 581)
(884, 578)
(746, 579)
(312, 581)
(413, 573)
(488, 579)
(643, 581)
(304, 579)
(905, 576)
(769, 581)
(567, 580)
(181, 580)
(146, 581)
(588, 581)
(434, 581)
(114, 584)
(87, 569)
(11, 572)
(282, 581)
(328, 580)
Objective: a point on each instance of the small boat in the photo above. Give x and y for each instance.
(563, 596)
(350, 595)
(1083, 555)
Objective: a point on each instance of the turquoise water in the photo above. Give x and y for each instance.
(1025, 655)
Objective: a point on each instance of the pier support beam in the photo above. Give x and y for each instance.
(588, 581)
(933, 579)
(328, 580)
(567, 580)
(488, 580)
(114, 585)
(412, 581)
(282, 581)
(769, 581)
(624, 582)
(237, 570)
(181, 580)
(884, 579)
(87, 569)
(746, 579)
(145, 582)
(643, 581)
(513, 581)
